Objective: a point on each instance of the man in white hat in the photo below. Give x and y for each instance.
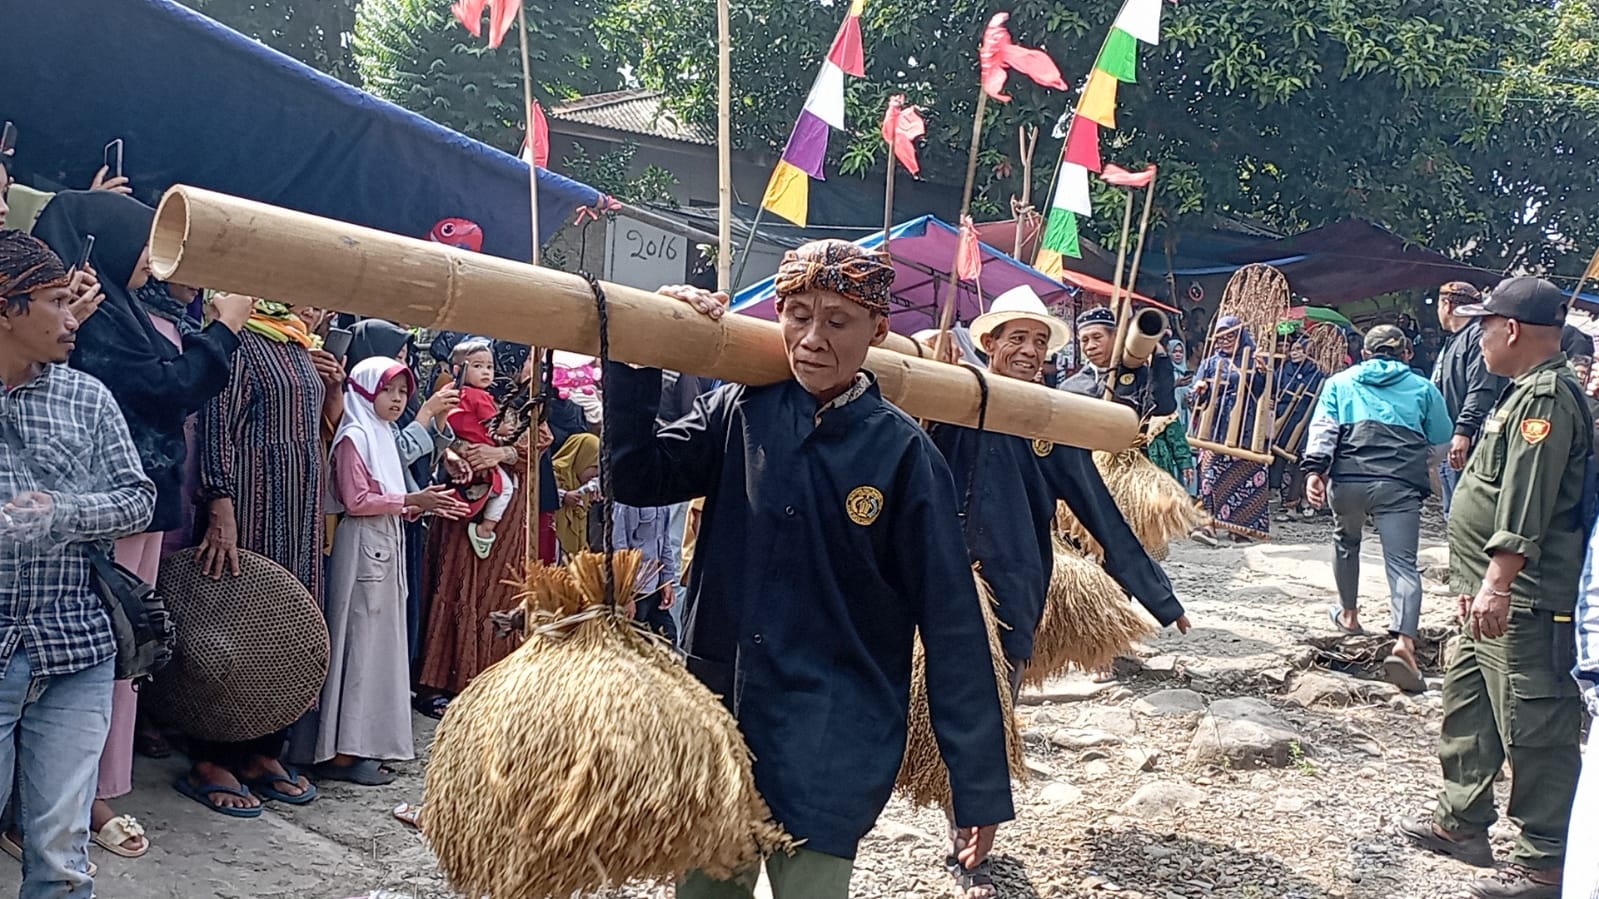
(1007, 488)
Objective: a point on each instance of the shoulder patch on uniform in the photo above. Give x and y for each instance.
(1128, 378)
(1534, 430)
(1042, 447)
(864, 504)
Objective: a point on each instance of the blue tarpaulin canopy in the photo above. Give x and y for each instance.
(197, 103)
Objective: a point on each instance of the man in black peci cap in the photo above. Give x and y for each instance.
(1516, 530)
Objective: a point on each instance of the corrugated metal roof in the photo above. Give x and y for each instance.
(633, 112)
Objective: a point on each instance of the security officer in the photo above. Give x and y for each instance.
(1516, 530)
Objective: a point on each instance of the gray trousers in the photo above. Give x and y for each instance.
(1395, 508)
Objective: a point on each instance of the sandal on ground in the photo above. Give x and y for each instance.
(1399, 672)
(366, 773)
(266, 787)
(969, 879)
(481, 545)
(406, 813)
(203, 794)
(1205, 538)
(114, 836)
(13, 849)
(431, 706)
(1336, 613)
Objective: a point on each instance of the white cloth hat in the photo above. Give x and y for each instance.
(1020, 302)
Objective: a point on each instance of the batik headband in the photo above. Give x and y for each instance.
(842, 267)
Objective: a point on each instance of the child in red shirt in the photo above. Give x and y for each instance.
(471, 421)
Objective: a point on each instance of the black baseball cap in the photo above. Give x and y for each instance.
(1529, 300)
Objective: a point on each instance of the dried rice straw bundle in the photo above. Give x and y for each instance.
(589, 757)
(923, 779)
(1087, 622)
(1156, 506)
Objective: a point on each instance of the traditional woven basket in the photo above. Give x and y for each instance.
(589, 757)
(923, 778)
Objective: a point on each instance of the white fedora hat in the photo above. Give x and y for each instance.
(1020, 302)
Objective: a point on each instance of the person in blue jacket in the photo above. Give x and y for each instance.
(1371, 436)
(830, 537)
(1008, 487)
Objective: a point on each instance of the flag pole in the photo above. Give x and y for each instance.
(724, 148)
(749, 245)
(888, 199)
(947, 317)
(1027, 147)
(1593, 266)
(531, 494)
(1115, 295)
(1124, 302)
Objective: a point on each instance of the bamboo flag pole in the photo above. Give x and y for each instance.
(530, 494)
(1587, 275)
(1115, 294)
(888, 200)
(947, 317)
(1027, 138)
(208, 239)
(724, 148)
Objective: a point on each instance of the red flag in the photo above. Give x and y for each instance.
(1115, 174)
(539, 130)
(968, 255)
(1082, 144)
(902, 125)
(998, 56)
(501, 14)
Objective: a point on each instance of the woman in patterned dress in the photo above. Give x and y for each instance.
(1234, 491)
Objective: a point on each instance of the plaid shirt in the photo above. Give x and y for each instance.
(61, 434)
(1587, 618)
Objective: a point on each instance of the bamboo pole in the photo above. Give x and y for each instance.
(749, 246)
(947, 317)
(1240, 394)
(1234, 451)
(213, 240)
(1115, 297)
(1126, 308)
(1265, 411)
(888, 199)
(530, 492)
(1207, 420)
(724, 148)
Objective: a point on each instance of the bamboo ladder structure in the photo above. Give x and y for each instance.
(1258, 295)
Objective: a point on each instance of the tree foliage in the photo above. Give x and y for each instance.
(414, 54)
(1293, 113)
(313, 31)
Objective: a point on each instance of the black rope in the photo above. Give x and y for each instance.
(609, 526)
(982, 422)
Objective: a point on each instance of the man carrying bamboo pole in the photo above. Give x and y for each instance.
(829, 539)
(1009, 487)
(1151, 389)
(1369, 436)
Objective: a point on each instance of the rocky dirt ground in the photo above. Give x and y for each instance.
(1233, 762)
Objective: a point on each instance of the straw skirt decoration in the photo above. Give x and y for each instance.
(1158, 509)
(1088, 620)
(923, 778)
(589, 757)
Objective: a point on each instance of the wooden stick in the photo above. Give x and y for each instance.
(947, 317)
(1265, 409)
(724, 148)
(1233, 451)
(1240, 391)
(1207, 421)
(527, 109)
(749, 246)
(1115, 296)
(208, 239)
(1138, 255)
(888, 199)
(1027, 138)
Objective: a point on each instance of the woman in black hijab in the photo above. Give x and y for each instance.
(159, 376)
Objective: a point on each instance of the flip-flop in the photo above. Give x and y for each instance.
(15, 851)
(265, 787)
(433, 706)
(366, 773)
(113, 836)
(1336, 613)
(1403, 675)
(406, 813)
(203, 794)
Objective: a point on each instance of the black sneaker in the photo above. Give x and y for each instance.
(1474, 850)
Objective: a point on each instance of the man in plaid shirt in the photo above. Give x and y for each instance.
(1582, 870)
(69, 479)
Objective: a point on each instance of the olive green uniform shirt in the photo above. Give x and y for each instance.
(1521, 491)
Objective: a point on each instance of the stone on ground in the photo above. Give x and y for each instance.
(1165, 703)
(1163, 799)
(1245, 733)
(1330, 689)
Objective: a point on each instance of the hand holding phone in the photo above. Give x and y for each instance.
(337, 343)
(8, 139)
(82, 262)
(113, 158)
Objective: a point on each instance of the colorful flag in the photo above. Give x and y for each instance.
(788, 192)
(1098, 102)
(1119, 57)
(1082, 144)
(538, 127)
(1072, 198)
(1593, 268)
(501, 14)
(968, 255)
(1115, 174)
(1141, 19)
(902, 125)
(998, 56)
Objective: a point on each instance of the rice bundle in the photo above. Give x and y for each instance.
(1156, 506)
(1088, 620)
(589, 757)
(923, 779)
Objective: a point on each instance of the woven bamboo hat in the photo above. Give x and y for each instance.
(252, 650)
